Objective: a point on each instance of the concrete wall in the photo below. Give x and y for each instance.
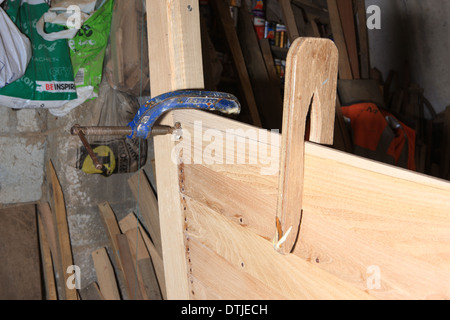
(22, 151)
(416, 31)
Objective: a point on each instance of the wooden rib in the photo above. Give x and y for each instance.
(311, 78)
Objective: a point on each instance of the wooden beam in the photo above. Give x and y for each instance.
(175, 61)
(266, 51)
(363, 39)
(289, 19)
(345, 70)
(345, 8)
(174, 39)
(223, 14)
(267, 96)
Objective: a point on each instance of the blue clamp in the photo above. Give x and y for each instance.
(148, 114)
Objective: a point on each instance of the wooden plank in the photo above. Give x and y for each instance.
(223, 14)
(174, 30)
(174, 39)
(59, 211)
(289, 19)
(267, 97)
(311, 77)
(130, 222)
(112, 229)
(345, 8)
(150, 283)
(345, 71)
(105, 275)
(91, 292)
(254, 255)
(363, 39)
(129, 269)
(47, 219)
(145, 271)
(270, 64)
(205, 265)
(47, 263)
(148, 206)
(358, 213)
(20, 270)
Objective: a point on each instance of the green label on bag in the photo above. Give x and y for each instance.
(49, 74)
(87, 48)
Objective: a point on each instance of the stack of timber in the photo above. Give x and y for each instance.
(128, 268)
(60, 277)
(136, 259)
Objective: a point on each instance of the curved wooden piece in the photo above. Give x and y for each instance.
(311, 80)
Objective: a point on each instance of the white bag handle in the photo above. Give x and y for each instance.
(71, 17)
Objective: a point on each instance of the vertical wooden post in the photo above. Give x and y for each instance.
(175, 63)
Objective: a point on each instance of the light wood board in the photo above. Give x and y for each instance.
(360, 216)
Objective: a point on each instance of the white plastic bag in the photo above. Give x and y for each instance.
(15, 50)
(69, 13)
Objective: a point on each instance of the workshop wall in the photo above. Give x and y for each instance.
(415, 31)
(22, 155)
